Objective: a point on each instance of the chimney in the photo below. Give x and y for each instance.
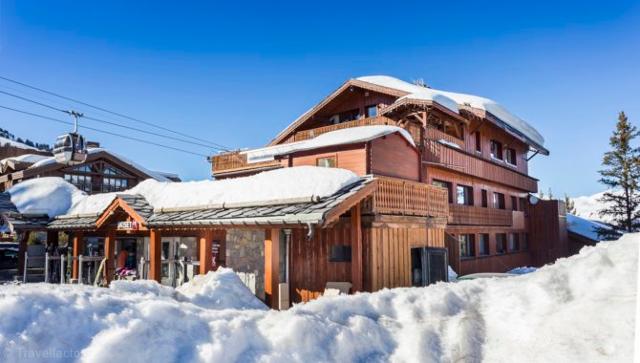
(92, 144)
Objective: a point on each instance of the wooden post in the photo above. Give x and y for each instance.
(22, 248)
(271, 266)
(206, 242)
(155, 255)
(78, 249)
(356, 249)
(109, 251)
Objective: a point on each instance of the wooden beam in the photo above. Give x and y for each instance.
(22, 248)
(205, 243)
(334, 214)
(109, 251)
(356, 249)
(155, 255)
(271, 266)
(78, 249)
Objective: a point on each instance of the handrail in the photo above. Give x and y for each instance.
(369, 121)
(405, 197)
(472, 215)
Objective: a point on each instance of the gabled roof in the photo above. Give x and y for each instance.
(450, 102)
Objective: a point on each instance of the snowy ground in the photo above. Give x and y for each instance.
(580, 309)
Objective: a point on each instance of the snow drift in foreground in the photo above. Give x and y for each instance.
(579, 309)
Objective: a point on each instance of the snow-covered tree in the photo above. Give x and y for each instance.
(621, 174)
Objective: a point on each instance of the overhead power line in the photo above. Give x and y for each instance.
(218, 146)
(102, 131)
(173, 138)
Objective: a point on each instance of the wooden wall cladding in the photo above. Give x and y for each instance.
(387, 254)
(393, 156)
(354, 159)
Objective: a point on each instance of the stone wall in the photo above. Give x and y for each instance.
(245, 253)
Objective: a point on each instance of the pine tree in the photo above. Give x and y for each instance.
(550, 194)
(621, 173)
(569, 204)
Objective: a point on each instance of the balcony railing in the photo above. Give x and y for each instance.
(404, 197)
(378, 120)
(470, 215)
(457, 159)
(435, 134)
(236, 161)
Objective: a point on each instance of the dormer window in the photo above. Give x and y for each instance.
(496, 149)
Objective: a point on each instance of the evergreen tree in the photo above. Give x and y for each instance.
(550, 194)
(621, 174)
(569, 204)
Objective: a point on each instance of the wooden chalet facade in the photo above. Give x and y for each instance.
(102, 172)
(480, 157)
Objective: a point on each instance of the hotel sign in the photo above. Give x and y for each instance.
(128, 226)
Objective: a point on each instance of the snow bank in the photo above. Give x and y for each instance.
(52, 196)
(522, 270)
(281, 184)
(347, 136)
(579, 309)
(452, 101)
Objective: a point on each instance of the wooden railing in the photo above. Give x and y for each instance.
(435, 134)
(405, 197)
(461, 161)
(236, 161)
(470, 215)
(378, 120)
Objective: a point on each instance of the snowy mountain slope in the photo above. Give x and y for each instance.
(580, 309)
(588, 207)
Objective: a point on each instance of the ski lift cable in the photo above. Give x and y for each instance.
(103, 131)
(113, 123)
(219, 146)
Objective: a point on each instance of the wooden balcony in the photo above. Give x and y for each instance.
(435, 134)
(456, 159)
(378, 120)
(408, 198)
(235, 162)
(478, 216)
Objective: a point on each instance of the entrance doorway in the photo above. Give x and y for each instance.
(428, 266)
(179, 260)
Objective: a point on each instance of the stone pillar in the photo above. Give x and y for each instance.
(155, 255)
(271, 266)
(78, 250)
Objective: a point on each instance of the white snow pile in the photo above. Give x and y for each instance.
(346, 136)
(50, 195)
(24, 158)
(8, 142)
(585, 227)
(522, 270)
(302, 182)
(453, 101)
(581, 309)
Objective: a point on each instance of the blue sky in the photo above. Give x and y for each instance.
(237, 73)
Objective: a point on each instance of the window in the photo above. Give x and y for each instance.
(349, 115)
(371, 111)
(478, 142)
(498, 200)
(496, 150)
(83, 168)
(444, 184)
(328, 162)
(110, 170)
(483, 245)
(466, 245)
(511, 156)
(428, 266)
(485, 199)
(501, 243)
(464, 195)
(340, 253)
(514, 203)
(514, 242)
(83, 182)
(525, 241)
(114, 184)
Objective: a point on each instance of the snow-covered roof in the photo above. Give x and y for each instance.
(154, 174)
(453, 100)
(8, 142)
(56, 197)
(346, 136)
(24, 158)
(585, 227)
